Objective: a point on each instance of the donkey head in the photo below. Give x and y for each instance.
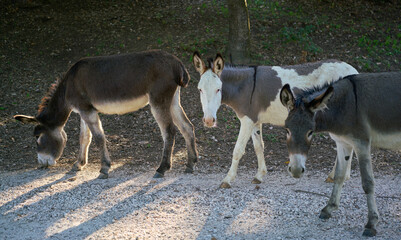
(300, 125)
(209, 87)
(50, 141)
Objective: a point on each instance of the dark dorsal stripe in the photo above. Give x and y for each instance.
(255, 68)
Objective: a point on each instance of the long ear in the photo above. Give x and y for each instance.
(218, 64)
(287, 98)
(320, 102)
(26, 119)
(198, 63)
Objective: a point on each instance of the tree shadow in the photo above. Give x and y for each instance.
(36, 176)
(62, 199)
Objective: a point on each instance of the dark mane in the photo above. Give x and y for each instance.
(230, 65)
(58, 87)
(308, 94)
(50, 93)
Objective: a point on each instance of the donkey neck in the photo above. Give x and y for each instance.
(54, 110)
(340, 114)
(238, 83)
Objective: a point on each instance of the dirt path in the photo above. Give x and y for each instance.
(57, 204)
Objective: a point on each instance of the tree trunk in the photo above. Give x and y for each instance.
(238, 49)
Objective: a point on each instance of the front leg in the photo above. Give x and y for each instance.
(343, 149)
(259, 147)
(244, 134)
(85, 139)
(93, 121)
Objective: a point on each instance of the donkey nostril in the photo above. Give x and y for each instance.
(214, 120)
(303, 170)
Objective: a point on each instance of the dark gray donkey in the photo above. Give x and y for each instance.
(360, 112)
(253, 93)
(114, 85)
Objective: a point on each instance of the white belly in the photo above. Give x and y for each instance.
(388, 141)
(122, 107)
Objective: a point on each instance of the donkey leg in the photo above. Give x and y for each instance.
(85, 139)
(343, 149)
(348, 158)
(368, 185)
(258, 145)
(244, 134)
(92, 120)
(187, 130)
(167, 128)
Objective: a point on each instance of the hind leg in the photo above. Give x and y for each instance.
(187, 130)
(347, 159)
(167, 128)
(91, 118)
(85, 139)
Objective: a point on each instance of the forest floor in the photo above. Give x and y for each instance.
(41, 39)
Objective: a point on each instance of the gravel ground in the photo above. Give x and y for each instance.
(58, 204)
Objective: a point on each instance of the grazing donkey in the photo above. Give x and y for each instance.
(114, 85)
(253, 93)
(359, 112)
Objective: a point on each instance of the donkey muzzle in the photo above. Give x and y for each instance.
(209, 121)
(297, 165)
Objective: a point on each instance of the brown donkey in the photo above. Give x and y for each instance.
(116, 84)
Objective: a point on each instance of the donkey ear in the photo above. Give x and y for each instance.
(218, 64)
(26, 119)
(198, 63)
(320, 102)
(287, 98)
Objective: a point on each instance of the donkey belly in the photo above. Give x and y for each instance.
(121, 106)
(388, 141)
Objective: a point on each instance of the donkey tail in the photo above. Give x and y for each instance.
(184, 77)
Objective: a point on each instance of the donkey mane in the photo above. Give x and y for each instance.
(49, 95)
(309, 94)
(46, 100)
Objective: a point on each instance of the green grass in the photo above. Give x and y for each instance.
(271, 137)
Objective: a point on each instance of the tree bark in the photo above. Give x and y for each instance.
(238, 49)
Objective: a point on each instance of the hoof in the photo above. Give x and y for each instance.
(103, 176)
(329, 180)
(324, 215)
(225, 185)
(189, 170)
(369, 232)
(256, 181)
(158, 175)
(76, 168)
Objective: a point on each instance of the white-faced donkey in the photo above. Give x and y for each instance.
(116, 84)
(360, 112)
(254, 94)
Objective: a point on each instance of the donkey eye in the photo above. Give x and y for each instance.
(218, 90)
(310, 133)
(200, 90)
